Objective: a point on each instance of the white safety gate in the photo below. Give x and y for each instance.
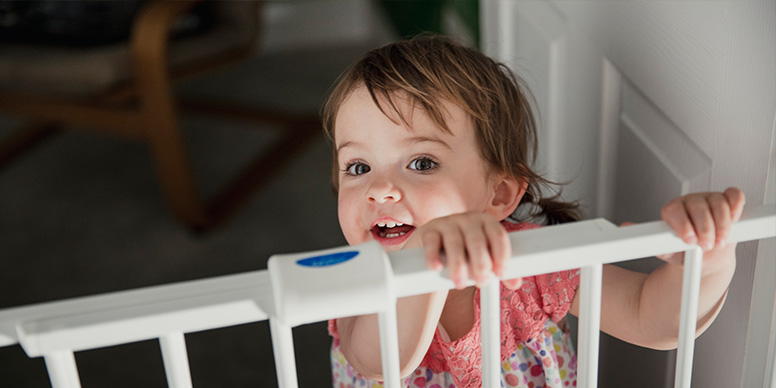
(289, 294)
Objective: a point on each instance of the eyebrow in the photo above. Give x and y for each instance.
(412, 140)
(347, 144)
(428, 139)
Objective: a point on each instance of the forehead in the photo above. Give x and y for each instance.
(359, 108)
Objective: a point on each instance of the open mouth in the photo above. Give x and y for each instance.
(391, 230)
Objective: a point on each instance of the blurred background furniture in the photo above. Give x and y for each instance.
(81, 212)
(122, 83)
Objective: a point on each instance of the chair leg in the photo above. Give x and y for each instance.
(25, 139)
(172, 164)
(159, 119)
(262, 168)
(158, 116)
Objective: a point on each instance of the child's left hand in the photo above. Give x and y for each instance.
(703, 219)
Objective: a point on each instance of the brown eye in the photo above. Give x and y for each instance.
(356, 169)
(423, 164)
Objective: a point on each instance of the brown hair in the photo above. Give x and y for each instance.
(429, 69)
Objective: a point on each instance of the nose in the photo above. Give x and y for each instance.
(383, 190)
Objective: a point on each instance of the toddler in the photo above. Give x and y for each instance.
(433, 147)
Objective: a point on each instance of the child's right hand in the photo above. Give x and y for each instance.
(474, 244)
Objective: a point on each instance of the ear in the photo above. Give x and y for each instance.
(507, 193)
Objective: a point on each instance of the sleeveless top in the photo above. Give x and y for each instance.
(536, 349)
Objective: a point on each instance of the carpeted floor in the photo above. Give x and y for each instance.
(82, 214)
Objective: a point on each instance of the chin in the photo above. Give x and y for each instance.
(392, 248)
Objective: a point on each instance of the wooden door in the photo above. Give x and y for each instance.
(641, 102)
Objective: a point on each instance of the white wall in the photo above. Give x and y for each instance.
(682, 96)
(760, 356)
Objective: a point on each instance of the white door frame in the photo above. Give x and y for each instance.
(760, 357)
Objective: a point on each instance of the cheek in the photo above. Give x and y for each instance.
(446, 197)
(347, 213)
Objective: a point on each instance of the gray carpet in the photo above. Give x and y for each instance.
(82, 214)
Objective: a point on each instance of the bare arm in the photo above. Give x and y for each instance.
(417, 318)
(644, 309)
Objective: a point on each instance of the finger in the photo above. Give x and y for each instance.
(500, 247)
(432, 247)
(513, 284)
(452, 243)
(737, 200)
(628, 223)
(480, 263)
(675, 215)
(720, 211)
(700, 214)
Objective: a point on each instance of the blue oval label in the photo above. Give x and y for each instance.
(327, 260)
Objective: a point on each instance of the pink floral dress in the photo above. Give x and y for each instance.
(536, 349)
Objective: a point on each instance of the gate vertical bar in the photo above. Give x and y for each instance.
(589, 326)
(62, 370)
(691, 285)
(176, 360)
(490, 335)
(389, 347)
(283, 350)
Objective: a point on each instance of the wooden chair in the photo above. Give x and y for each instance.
(127, 91)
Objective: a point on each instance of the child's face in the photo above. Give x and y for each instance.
(394, 179)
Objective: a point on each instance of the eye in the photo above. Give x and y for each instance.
(423, 164)
(357, 168)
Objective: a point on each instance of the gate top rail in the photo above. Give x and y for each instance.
(152, 312)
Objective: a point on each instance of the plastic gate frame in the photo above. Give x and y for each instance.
(286, 293)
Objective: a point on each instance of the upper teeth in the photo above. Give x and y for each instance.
(389, 224)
